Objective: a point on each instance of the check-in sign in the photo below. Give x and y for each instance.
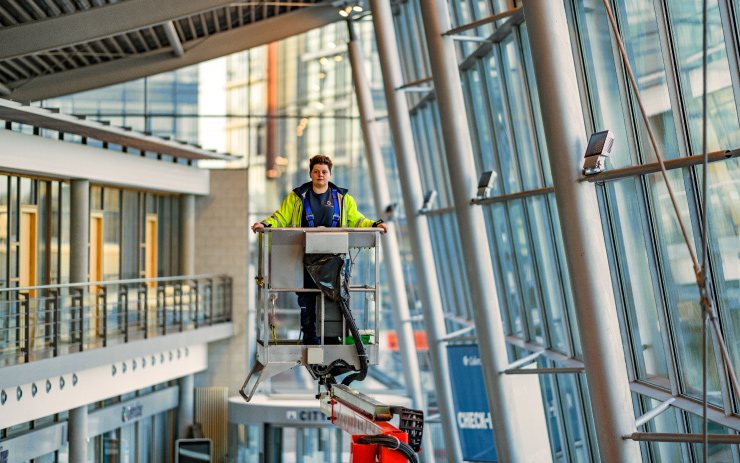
(471, 407)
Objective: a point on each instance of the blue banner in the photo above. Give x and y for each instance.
(471, 407)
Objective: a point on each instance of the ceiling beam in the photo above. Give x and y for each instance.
(96, 23)
(156, 62)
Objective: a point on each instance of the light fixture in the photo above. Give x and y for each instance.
(347, 7)
(484, 183)
(338, 58)
(429, 198)
(323, 60)
(599, 147)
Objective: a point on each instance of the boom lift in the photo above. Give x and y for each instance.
(325, 253)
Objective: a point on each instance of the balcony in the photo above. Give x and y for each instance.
(43, 322)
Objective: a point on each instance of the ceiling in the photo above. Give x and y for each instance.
(50, 48)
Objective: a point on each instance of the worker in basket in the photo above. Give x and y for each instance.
(318, 203)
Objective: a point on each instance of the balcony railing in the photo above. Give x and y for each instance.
(47, 321)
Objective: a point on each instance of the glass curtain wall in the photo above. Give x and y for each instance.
(652, 273)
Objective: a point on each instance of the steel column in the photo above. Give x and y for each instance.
(79, 238)
(79, 218)
(585, 249)
(391, 253)
(418, 226)
(471, 224)
(77, 435)
(185, 414)
(187, 234)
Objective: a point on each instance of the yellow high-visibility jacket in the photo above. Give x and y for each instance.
(290, 213)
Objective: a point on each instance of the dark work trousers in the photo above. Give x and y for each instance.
(307, 303)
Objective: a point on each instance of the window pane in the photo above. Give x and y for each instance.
(544, 252)
(637, 282)
(479, 122)
(521, 117)
(716, 453)
(601, 74)
(570, 401)
(555, 428)
(527, 276)
(723, 131)
(536, 112)
(665, 422)
(680, 287)
(506, 155)
(575, 338)
(724, 229)
(641, 40)
(505, 256)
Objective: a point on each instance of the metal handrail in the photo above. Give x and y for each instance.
(45, 321)
(117, 282)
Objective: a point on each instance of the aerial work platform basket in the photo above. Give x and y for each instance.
(280, 274)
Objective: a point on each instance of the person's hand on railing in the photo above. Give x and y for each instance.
(257, 226)
(383, 227)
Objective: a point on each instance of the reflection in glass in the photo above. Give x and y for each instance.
(507, 273)
(723, 130)
(565, 275)
(681, 291)
(508, 172)
(601, 73)
(716, 453)
(724, 235)
(641, 40)
(544, 251)
(637, 283)
(536, 112)
(527, 277)
(570, 401)
(479, 118)
(520, 114)
(665, 422)
(555, 427)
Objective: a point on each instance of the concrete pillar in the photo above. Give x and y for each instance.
(391, 253)
(77, 435)
(187, 403)
(418, 226)
(585, 250)
(79, 230)
(510, 445)
(187, 235)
